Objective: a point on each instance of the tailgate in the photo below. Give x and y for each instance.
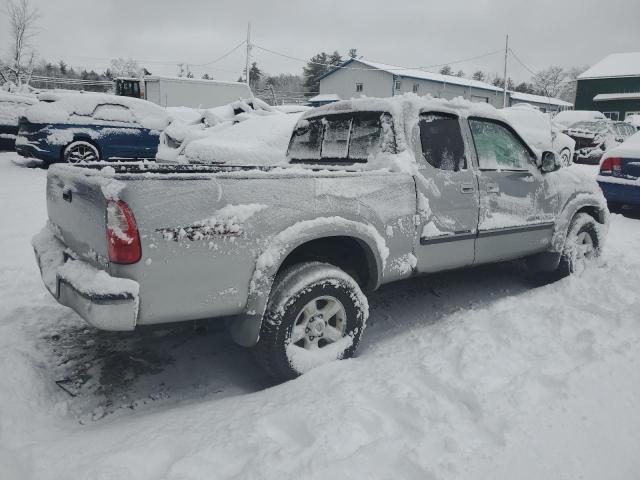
(76, 206)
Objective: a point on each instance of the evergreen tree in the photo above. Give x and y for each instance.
(315, 68)
(255, 74)
(479, 75)
(446, 70)
(460, 73)
(206, 77)
(62, 67)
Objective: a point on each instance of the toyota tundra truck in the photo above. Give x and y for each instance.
(374, 191)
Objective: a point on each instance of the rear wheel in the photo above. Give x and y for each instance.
(81, 152)
(316, 314)
(582, 245)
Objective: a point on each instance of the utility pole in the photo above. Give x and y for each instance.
(504, 91)
(248, 56)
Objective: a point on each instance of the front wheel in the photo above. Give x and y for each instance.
(316, 314)
(80, 152)
(565, 157)
(582, 245)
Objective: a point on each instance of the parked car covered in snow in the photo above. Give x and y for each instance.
(12, 107)
(594, 138)
(208, 138)
(85, 127)
(619, 176)
(540, 130)
(566, 118)
(376, 190)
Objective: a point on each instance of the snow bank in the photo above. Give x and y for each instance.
(13, 106)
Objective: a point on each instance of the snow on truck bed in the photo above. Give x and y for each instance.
(477, 374)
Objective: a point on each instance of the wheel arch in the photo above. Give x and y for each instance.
(81, 137)
(323, 239)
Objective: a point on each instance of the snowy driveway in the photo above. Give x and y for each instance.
(471, 375)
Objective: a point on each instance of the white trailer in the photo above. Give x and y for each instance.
(184, 92)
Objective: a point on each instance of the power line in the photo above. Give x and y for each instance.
(521, 62)
(220, 57)
(396, 67)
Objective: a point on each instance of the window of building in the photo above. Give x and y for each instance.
(628, 114)
(359, 87)
(416, 87)
(611, 115)
(441, 140)
(497, 147)
(398, 85)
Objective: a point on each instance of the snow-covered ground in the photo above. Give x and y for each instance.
(469, 375)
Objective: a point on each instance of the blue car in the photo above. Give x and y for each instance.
(619, 176)
(87, 127)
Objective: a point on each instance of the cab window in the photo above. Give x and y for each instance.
(497, 147)
(441, 141)
(342, 138)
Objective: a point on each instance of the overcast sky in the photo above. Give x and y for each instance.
(564, 32)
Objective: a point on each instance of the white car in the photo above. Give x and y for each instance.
(539, 130)
(567, 118)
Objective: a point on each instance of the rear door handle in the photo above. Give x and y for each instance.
(467, 188)
(492, 188)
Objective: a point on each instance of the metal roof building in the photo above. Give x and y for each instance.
(359, 77)
(611, 86)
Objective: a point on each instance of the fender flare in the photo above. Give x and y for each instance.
(576, 203)
(245, 330)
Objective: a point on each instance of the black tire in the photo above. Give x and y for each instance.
(293, 291)
(584, 226)
(80, 151)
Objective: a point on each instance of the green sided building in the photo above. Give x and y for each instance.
(611, 86)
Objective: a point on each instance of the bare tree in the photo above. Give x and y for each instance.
(568, 92)
(22, 27)
(550, 81)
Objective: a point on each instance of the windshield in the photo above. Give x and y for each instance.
(593, 127)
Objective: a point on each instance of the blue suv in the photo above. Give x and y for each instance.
(87, 127)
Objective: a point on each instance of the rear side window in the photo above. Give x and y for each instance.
(441, 140)
(306, 140)
(335, 141)
(113, 113)
(342, 138)
(497, 147)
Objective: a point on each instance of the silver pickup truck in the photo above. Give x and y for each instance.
(374, 191)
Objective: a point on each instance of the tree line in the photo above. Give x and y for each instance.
(20, 67)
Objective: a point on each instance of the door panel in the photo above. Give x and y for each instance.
(448, 200)
(515, 217)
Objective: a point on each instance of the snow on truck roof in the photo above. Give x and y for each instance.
(401, 104)
(615, 65)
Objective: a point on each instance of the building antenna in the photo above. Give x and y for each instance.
(504, 90)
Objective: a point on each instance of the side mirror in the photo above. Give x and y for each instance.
(550, 162)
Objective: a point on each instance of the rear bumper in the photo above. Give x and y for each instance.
(29, 149)
(621, 193)
(103, 301)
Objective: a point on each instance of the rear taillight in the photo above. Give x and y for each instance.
(123, 239)
(610, 166)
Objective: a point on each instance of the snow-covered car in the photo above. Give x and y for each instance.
(566, 118)
(85, 127)
(593, 138)
(619, 176)
(12, 107)
(633, 120)
(212, 122)
(539, 130)
(376, 190)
